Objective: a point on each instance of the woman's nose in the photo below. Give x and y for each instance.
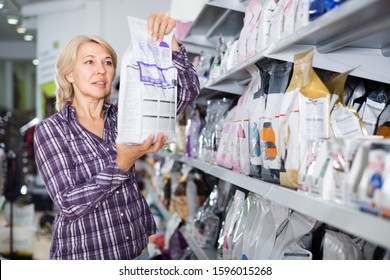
(101, 69)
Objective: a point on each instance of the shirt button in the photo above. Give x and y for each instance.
(107, 149)
(121, 214)
(127, 237)
(117, 192)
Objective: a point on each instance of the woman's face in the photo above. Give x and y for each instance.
(93, 73)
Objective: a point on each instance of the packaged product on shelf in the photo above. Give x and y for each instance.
(263, 31)
(357, 167)
(241, 156)
(371, 184)
(245, 221)
(251, 33)
(383, 126)
(306, 170)
(375, 104)
(297, 227)
(385, 199)
(322, 183)
(224, 153)
(147, 93)
(275, 220)
(211, 132)
(289, 138)
(196, 193)
(339, 246)
(252, 12)
(358, 97)
(258, 207)
(257, 107)
(194, 126)
(302, 14)
(231, 58)
(215, 69)
(344, 121)
(269, 131)
(314, 113)
(317, 8)
(340, 166)
(289, 16)
(230, 223)
(207, 222)
(275, 33)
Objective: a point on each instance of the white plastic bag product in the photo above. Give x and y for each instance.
(298, 225)
(338, 246)
(230, 224)
(273, 221)
(259, 211)
(147, 93)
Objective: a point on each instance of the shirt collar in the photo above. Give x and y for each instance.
(69, 112)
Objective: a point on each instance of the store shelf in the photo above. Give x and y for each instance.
(372, 228)
(355, 35)
(212, 22)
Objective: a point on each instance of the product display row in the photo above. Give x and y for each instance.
(310, 117)
(234, 223)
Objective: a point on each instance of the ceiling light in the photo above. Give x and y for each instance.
(1, 4)
(13, 20)
(35, 62)
(28, 37)
(21, 30)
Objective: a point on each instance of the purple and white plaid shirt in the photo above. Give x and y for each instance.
(102, 213)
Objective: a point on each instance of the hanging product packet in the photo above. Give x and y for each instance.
(375, 104)
(314, 109)
(269, 133)
(263, 31)
(257, 108)
(345, 121)
(383, 126)
(230, 224)
(356, 154)
(147, 93)
(260, 225)
(224, 153)
(289, 137)
(371, 184)
(243, 121)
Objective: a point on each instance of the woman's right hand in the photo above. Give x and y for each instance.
(127, 155)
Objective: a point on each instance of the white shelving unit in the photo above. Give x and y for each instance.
(355, 35)
(372, 228)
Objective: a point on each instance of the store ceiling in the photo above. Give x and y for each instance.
(14, 7)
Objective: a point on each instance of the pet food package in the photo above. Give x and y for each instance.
(371, 184)
(269, 132)
(147, 93)
(289, 126)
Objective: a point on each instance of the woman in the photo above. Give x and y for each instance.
(90, 178)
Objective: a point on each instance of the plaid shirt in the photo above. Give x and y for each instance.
(102, 212)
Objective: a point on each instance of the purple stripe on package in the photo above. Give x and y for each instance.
(153, 74)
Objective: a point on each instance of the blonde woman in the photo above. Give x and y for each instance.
(91, 179)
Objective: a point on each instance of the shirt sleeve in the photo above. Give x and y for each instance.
(188, 87)
(56, 167)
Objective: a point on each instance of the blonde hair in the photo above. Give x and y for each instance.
(66, 62)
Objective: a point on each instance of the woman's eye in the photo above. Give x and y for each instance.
(108, 62)
(89, 62)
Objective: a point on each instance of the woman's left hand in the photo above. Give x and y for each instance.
(159, 25)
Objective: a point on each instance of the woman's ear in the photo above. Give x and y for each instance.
(69, 78)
